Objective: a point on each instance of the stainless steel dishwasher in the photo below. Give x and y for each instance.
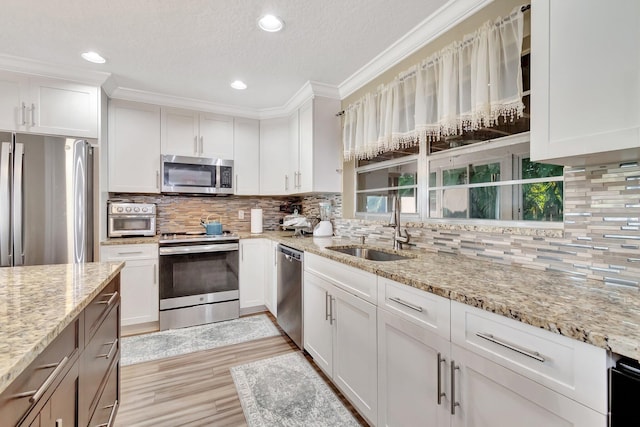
(290, 263)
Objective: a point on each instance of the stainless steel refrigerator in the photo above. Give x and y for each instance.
(46, 200)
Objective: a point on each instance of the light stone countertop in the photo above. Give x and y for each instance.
(586, 310)
(38, 302)
(130, 240)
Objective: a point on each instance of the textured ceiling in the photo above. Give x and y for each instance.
(195, 48)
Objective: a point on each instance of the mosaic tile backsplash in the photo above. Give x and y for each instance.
(600, 240)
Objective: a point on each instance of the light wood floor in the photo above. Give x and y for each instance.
(195, 389)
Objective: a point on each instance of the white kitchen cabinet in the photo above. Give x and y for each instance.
(191, 133)
(271, 276)
(490, 395)
(251, 274)
(294, 153)
(340, 334)
(49, 106)
(274, 156)
(246, 155)
(412, 367)
(139, 281)
(316, 160)
(134, 147)
(585, 81)
(318, 326)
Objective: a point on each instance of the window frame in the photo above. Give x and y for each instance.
(385, 165)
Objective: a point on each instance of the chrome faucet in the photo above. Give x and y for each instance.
(398, 237)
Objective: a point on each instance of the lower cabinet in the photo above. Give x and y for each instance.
(76, 377)
(60, 409)
(487, 394)
(139, 281)
(271, 276)
(413, 387)
(251, 275)
(340, 334)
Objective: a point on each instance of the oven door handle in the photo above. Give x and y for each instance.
(197, 249)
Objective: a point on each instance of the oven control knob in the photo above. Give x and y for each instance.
(136, 209)
(144, 209)
(119, 209)
(128, 209)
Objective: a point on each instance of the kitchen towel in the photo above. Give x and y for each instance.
(256, 221)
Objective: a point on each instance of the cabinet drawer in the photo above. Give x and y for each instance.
(98, 356)
(353, 280)
(417, 306)
(97, 308)
(127, 252)
(108, 404)
(12, 407)
(572, 368)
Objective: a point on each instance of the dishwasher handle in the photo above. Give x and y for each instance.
(291, 254)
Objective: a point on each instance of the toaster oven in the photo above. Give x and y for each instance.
(131, 219)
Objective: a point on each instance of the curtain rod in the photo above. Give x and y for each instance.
(523, 9)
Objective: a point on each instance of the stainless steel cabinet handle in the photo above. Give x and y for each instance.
(236, 182)
(286, 183)
(326, 305)
(33, 114)
(532, 354)
(35, 395)
(158, 179)
(453, 387)
(441, 394)
(130, 253)
(155, 274)
(201, 145)
(299, 179)
(23, 114)
(109, 423)
(110, 300)
(195, 145)
(114, 345)
(406, 304)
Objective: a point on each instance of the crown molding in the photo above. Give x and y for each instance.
(65, 72)
(307, 91)
(443, 19)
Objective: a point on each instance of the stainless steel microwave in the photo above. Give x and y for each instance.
(196, 175)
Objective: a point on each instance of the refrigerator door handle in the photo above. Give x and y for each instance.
(5, 204)
(18, 250)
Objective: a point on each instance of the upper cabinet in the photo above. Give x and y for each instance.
(274, 156)
(191, 133)
(246, 155)
(49, 106)
(134, 147)
(585, 81)
(314, 147)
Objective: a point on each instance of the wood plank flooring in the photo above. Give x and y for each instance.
(196, 389)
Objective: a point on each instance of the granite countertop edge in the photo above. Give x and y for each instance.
(18, 364)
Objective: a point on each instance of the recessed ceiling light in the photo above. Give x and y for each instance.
(271, 23)
(94, 57)
(239, 84)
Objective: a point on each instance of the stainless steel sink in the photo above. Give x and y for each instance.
(368, 253)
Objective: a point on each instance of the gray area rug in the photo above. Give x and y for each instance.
(287, 391)
(174, 342)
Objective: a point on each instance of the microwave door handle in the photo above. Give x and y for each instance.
(18, 255)
(5, 204)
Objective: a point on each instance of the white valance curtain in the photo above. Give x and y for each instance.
(466, 86)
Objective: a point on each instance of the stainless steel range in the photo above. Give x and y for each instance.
(198, 279)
